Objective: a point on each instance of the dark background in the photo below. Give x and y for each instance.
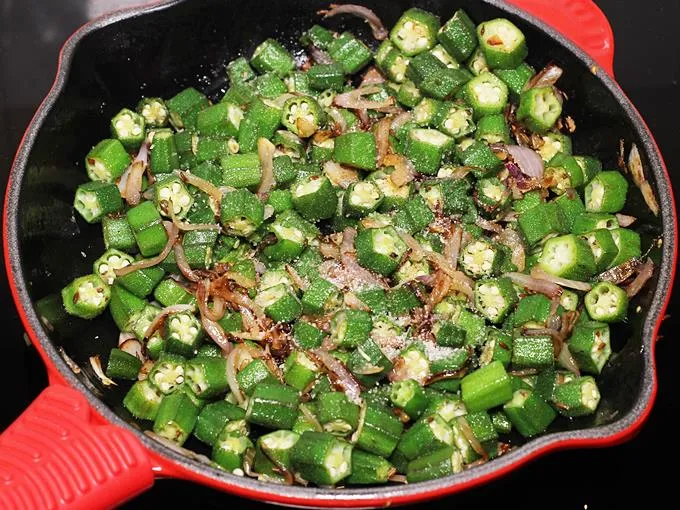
(648, 69)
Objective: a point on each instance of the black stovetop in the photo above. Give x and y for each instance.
(648, 69)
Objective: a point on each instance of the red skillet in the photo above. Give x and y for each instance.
(73, 447)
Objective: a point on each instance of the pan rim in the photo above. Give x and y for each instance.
(185, 467)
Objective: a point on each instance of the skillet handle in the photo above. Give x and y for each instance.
(581, 21)
(56, 456)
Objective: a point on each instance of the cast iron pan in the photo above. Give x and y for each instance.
(74, 446)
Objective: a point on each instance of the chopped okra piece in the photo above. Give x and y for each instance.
(539, 108)
(414, 216)
(494, 298)
(482, 158)
(428, 112)
(183, 333)
(212, 419)
(95, 200)
(314, 198)
(516, 79)
(487, 94)
(456, 120)
(148, 230)
(270, 86)
(222, 119)
(118, 234)
(590, 166)
(143, 400)
(300, 371)
(587, 222)
(176, 417)
(261, 120)
(606, 193)
(271, 56)
(171, 194)
(86, 297)
(206, 377)
(122, 365)
(448, 334)
(409, 95)
(480, 258)
(493, 129)
(529, 414)
(229, 450)
(459, 36)
(563, 172)
(492, 195)
(273, 405)
(444, 57)
(279, 303)
(185, 106)
(380, 249)
(153, 111)
(498, 347)
(253, 374)
(557, 143)
(532, 311)
(368, 363)
(381, 431)
(415, 32)
(321, 458)
(350, 327)
(628, 244)
(168, 292)
(590, 346)
(278, 446)
(543, 220)
(425, 148)
(409, 396)
(579, 397)
(477, 64)
(603, 247)
(569, 300)
(427, 435)
(239, 70)
(164, 157)
(106, 265)
(348, 51)
(337, 414)
(567, 257)
(326, 77)
(362, 198)
(167, 374)
(241, 212)
(503, 43)
(356, 149)
(391, 61)
(302, 115)
(241, 170)
(606, 302)
(487, 387)
(443, 462)
(129, 128)
(369, 469)
(317, 36)
(532, 352)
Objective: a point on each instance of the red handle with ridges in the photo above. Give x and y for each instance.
(581, 21)
(56, 455)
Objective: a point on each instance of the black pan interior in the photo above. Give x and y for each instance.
(188, 44)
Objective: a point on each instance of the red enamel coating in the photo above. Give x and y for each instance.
(581, 21)
(48, 452)
(55, 456)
